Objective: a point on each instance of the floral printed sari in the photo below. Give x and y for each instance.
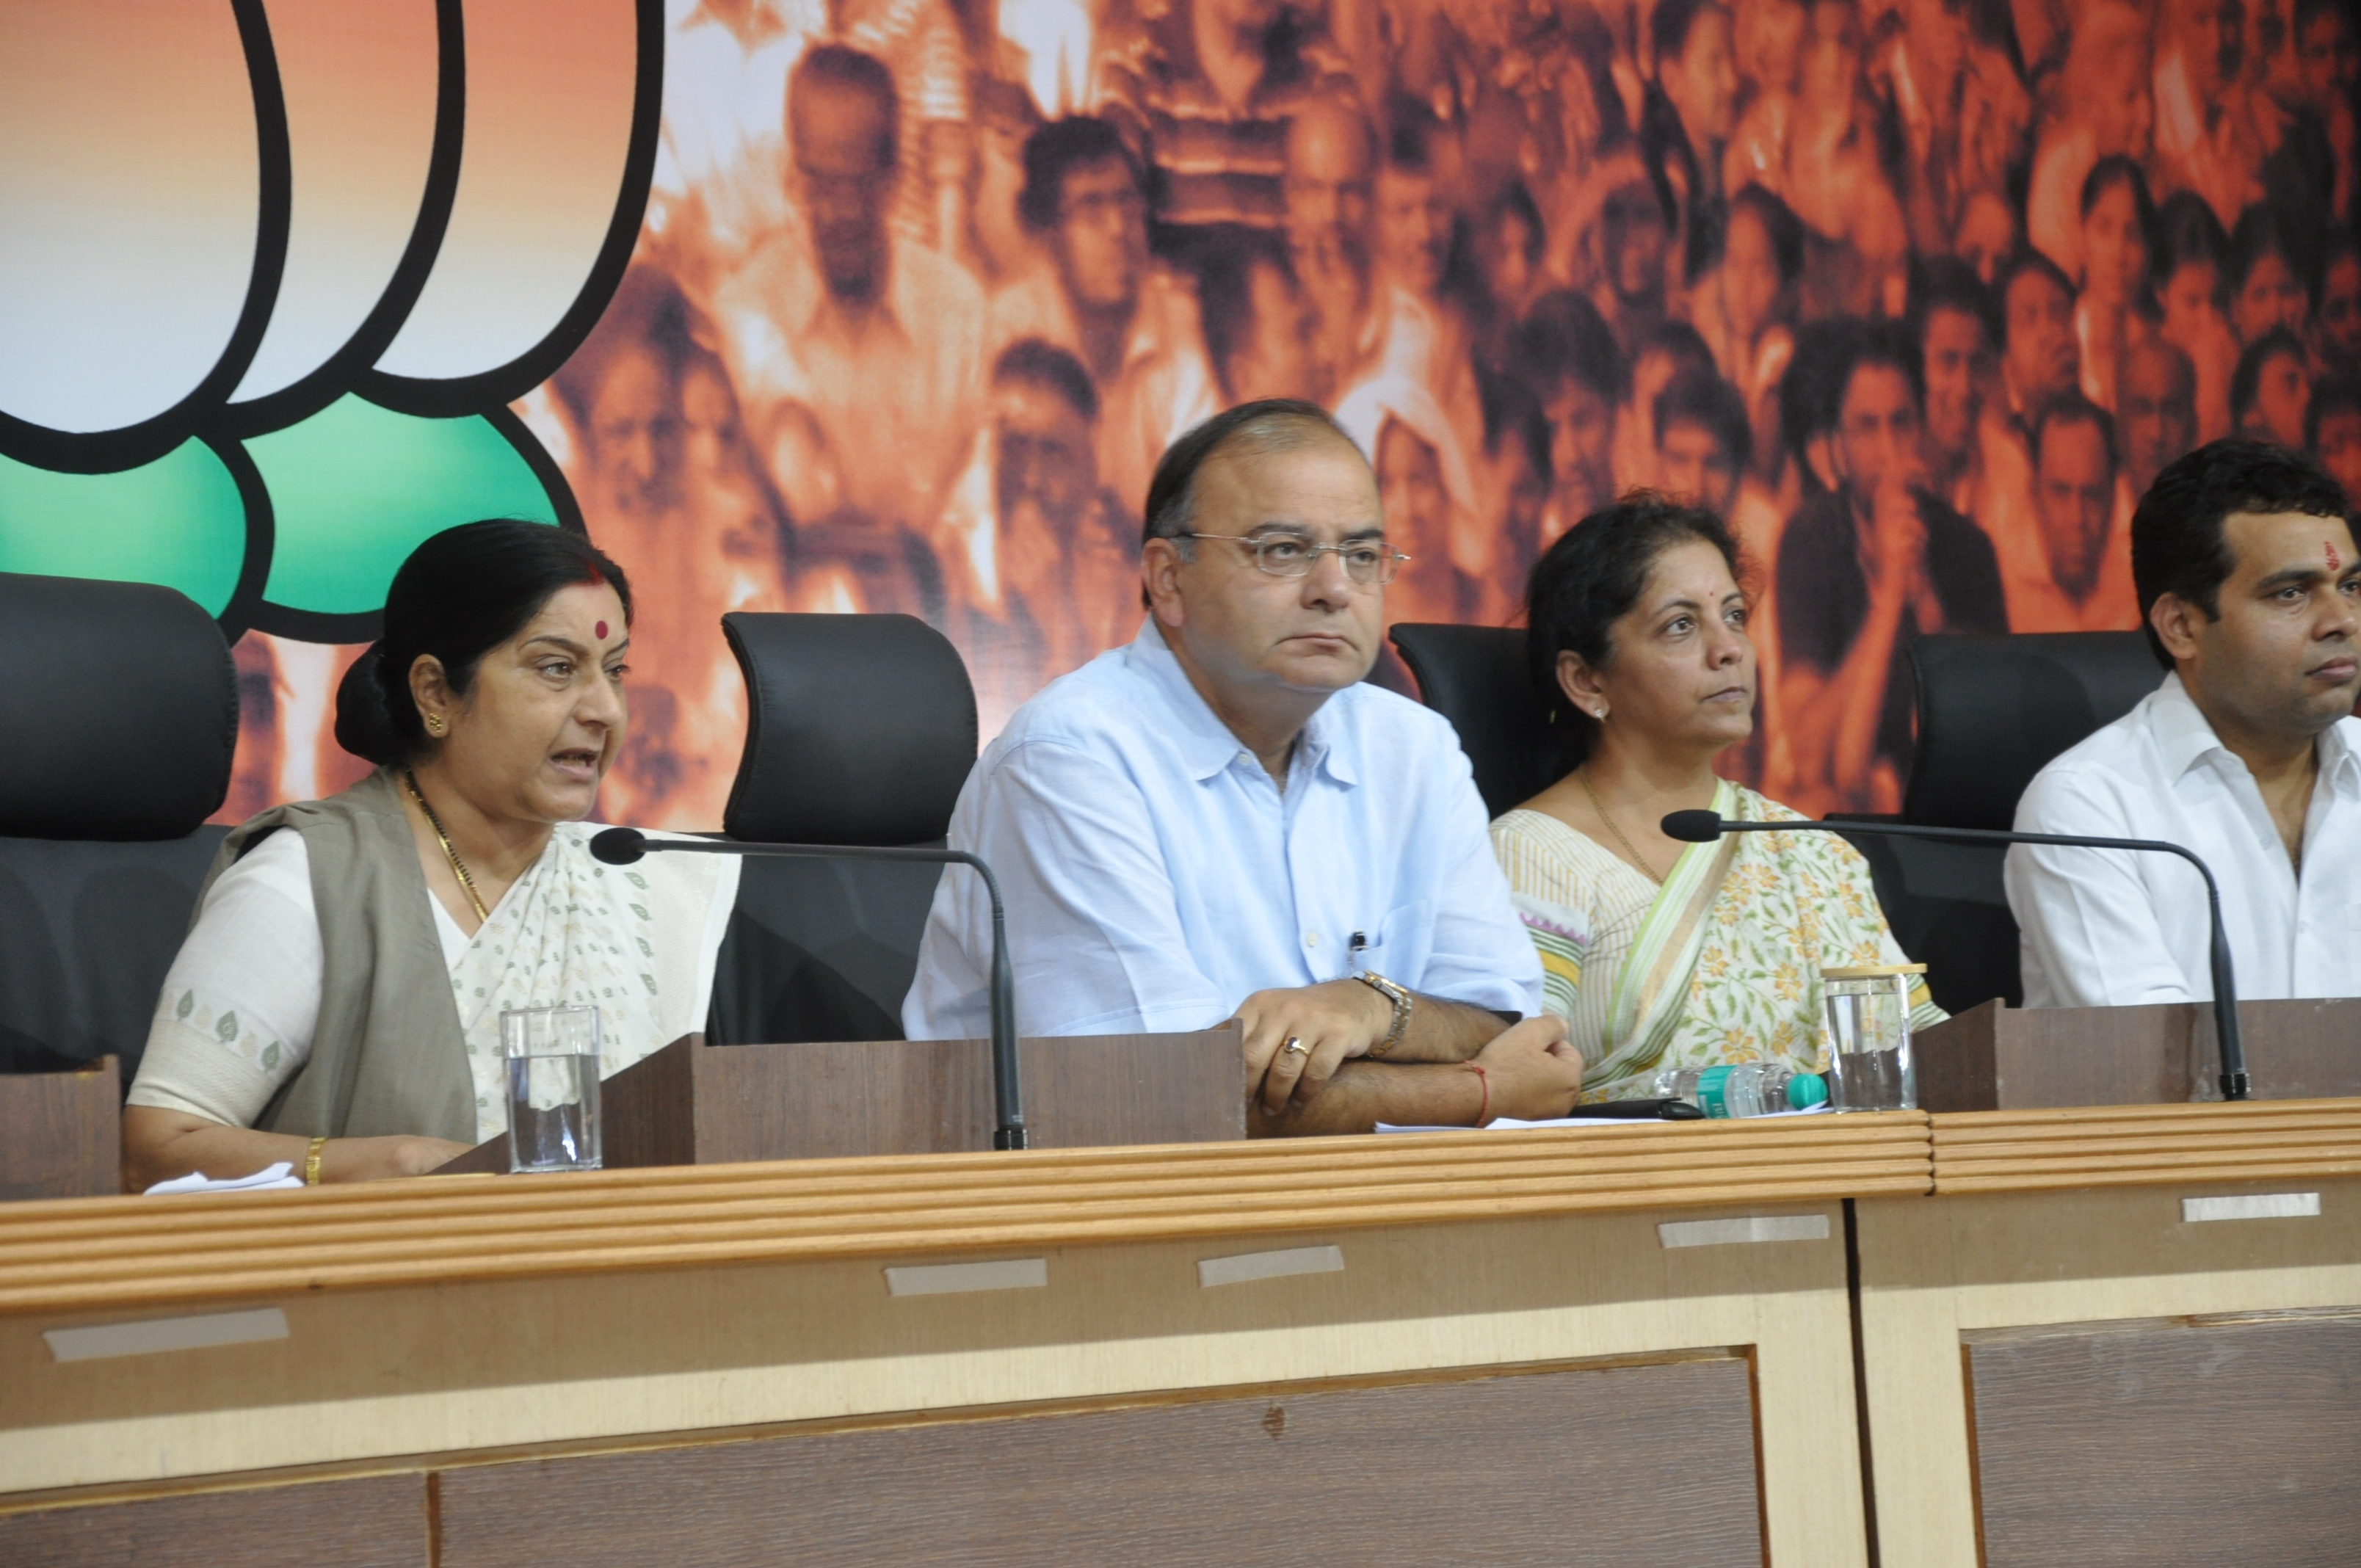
(1720, 964)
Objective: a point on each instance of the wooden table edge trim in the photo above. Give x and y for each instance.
(1288, 1159)
(2184, 1173)
(287, 1224)
(2068, 1119)
(157, 1284)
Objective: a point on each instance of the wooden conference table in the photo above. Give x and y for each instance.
(1652, 1344)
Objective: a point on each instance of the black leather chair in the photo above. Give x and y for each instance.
(118, 722)
(1993, 711)
(1476, 677)
(860, 730)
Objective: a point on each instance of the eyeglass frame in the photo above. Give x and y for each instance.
(1394, 559)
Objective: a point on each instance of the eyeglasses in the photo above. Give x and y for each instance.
(1367, 561)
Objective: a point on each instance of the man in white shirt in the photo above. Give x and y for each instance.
(1221, 820)
(2246, 756)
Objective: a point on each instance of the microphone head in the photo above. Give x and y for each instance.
(1693, 827)
(618, 846)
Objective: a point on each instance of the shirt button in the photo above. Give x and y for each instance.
(1312, 938)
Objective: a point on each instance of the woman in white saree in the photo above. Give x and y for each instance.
(1659, 953)
(336, 1003)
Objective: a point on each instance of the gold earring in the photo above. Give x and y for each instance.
(434, 724)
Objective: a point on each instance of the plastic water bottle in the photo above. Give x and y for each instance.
(1744, 1089)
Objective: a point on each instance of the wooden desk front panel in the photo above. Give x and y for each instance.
(469, 1368)
(2235, 1441)
(1632, 1467)
(1963, 1301)
(376, 1521)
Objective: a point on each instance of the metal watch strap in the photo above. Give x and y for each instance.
(1401, 1001)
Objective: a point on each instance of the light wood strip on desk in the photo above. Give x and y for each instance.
(129, 1252)
(2009, 1151)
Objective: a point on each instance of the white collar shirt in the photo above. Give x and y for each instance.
(2113, 928)
(1155, 876)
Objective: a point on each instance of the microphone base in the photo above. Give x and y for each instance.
(2237, 1086)
(1009, 1138)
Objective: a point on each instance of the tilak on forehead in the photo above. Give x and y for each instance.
(2334, 563)
(601, 628)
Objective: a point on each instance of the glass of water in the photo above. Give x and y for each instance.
(1869, 1037)
(552, 1060)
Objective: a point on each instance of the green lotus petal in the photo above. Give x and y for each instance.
(356, 488)
(178, 520)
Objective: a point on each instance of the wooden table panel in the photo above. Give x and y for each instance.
(1939, 1277)
(1997, 1057)
(61, 1133)
(1635, 1465)
(2235, 1443)
(379, 1521)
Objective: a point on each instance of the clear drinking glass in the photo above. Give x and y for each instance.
(1870, 1067)
(552, 1060)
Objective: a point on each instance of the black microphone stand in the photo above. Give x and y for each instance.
(622, 846)
(1704, 827)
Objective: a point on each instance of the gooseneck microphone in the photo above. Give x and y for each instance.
(622, 846)
(1704, 828)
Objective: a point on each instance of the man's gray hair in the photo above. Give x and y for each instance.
(1270, 424)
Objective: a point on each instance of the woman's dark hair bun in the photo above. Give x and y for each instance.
(462, 593)
(364, 727)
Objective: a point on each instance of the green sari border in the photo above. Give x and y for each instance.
(1652, 985)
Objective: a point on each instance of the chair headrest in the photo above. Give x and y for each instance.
(860, 729)
(1476, 677)
(1993, 711)
(120, 710)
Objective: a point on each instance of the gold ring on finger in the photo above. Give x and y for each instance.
(1294, 1047)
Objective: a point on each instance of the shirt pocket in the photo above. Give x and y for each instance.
(1402, 945)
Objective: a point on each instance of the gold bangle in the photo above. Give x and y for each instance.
(312, 1162)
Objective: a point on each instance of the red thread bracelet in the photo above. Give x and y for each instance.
(1483, 1112)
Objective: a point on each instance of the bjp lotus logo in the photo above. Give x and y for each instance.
(270, 275)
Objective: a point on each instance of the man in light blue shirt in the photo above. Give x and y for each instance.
(1220, 820)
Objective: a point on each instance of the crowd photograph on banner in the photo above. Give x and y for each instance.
(1920, 296)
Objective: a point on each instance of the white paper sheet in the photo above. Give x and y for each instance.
(268, 1179)
(1510, 1123)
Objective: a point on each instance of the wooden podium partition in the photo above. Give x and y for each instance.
(1998, 1057)
(692, 1103)
(62, 1133)
(2119, 1337)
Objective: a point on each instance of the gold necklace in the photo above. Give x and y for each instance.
(460, 867)
(1599, 807)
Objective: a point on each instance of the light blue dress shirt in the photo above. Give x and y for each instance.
(1156, 877)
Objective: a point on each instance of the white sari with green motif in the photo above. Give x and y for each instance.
(1721, 964)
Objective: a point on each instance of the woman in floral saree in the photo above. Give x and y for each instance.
(1659, 953)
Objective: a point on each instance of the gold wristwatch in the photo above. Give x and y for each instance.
(1401, 999)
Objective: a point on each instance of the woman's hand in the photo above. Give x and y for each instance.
(160, 1145)
(374, 1159)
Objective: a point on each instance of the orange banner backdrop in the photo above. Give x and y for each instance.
(837, 305)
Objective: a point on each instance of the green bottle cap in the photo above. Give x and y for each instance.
(1806, 1089)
